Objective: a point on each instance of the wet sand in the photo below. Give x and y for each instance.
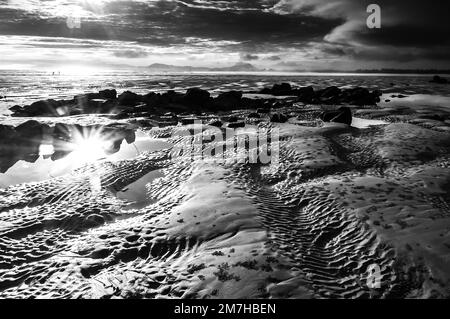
(358, 211)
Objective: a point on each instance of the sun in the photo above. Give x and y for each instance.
(88, 146)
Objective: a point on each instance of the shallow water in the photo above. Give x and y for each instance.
(417, 101)
(364, 123)
(46, 168)
(138, 194)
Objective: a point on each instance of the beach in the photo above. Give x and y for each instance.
(224, 186)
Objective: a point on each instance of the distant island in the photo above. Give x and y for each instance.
(403, 71)
(248, 67)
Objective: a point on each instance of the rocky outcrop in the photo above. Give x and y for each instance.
(282, 89)
(40, 108)
(278, 118)
(330, 95)
(232, 119)
(189, 121)
(215, 123)
(128, 98)
(341, 115)
(236, 124)
(305, 94)
(254, 116)
(7, 132)
(354, 96)
(108, 94)
(263, 111)
(194, 100)
(228, 101)
(439, 80)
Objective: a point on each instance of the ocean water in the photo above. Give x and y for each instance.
(25, 87)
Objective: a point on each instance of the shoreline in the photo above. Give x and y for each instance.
(132, 220)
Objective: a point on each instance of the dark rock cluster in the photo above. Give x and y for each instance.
(331, 95)
(439, 80)
(194, 100)
(341, 115)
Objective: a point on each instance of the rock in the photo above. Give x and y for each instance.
(108, 94)
(329, 92)
(279, 104)
(278, 118)
(439, 80)
(250, 103)
(88, 106)
(87, 96)
(128, 98)
(341, 115)
(254, 116)
(154, 100)
(231, 119)
(263, 111)
(108, 106)
(215, 123)
(189, 121)
(40, 108)
(15, 108)
(228, 101)
(7, 133)
(360, 96)
(267, 91)
(236, 124)
(31, 130)
(196, 97)
(305, 94)
(377, 93)
(281, 89)
(328, 95)
(29, 138)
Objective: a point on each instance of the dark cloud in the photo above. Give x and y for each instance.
(170, 23)
(249, 57)
(411, 30)
(131, 54)
(273, 58)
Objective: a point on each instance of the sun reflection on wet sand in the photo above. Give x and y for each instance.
(88, 146)
(85, 147)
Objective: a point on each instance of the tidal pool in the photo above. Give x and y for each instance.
(45, 166)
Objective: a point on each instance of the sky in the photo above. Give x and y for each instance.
(285, 35)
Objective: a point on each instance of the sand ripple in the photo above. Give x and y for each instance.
(340, 203)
